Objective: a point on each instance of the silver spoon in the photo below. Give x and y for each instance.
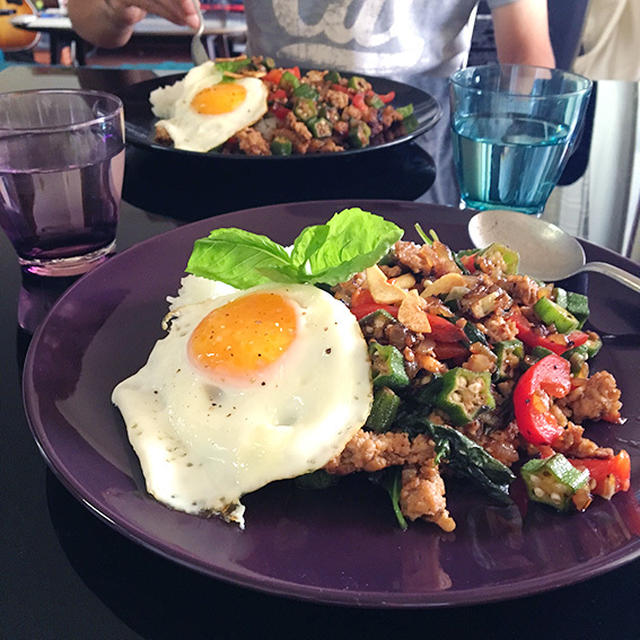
(546, 251)
(198, 52)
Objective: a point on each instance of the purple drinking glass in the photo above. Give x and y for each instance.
(61, 170)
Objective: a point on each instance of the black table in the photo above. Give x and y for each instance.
(65, 574)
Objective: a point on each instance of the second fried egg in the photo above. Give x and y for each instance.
(204, 109)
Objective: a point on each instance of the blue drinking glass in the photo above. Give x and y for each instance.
(513, 129)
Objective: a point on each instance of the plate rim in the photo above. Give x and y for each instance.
(287, 588)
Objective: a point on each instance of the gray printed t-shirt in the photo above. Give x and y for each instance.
(398, 39)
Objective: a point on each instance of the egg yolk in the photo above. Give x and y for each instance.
(243, 337)
(220, 98)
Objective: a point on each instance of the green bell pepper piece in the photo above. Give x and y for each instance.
(281, 146)
(374, 101)
(358, 83)
(553, 480)
(578, 305)
(288, 81)
(333, 77)
(405, 111)
(383, 410)
(510, 257)
(552, 313)
(465, 394)
(575, 303)
(305, 91)
(559, 296)
(387, 366)
(509, 354)
(359, 134)
(577, 357)
(593, 344)
(410, 123)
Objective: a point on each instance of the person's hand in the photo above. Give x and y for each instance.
(128, 12)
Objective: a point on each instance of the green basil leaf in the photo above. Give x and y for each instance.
(356, 240)
(307, 243)
(390, 479)
(233, 65)
(322, 254)
(240, 258)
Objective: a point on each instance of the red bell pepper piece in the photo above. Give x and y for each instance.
(279, 111)
(444, 331)
(387, 97)
(550, 376)
(339, 87)
(275, 75)
(362, 304)
(556, 342)
(600, 469)
(359, 103)
(450, 351)
(279, 95)
(469, 262)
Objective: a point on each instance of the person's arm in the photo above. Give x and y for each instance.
(522, 33)
(110, 23)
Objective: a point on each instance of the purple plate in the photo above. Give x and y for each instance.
(340, 545)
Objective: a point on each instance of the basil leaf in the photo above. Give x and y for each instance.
(307, 243)
(356, 240)
(469, 459)
(233, 65)
(240, 258)
(390, 479)
(322, 254)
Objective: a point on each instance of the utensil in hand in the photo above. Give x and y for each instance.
(513, 130)
(546, 251)
(198, 52)
(61, 169)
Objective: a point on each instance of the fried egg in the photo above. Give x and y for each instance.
(246, 388)
(203, 110)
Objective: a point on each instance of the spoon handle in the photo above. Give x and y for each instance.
(626, 278)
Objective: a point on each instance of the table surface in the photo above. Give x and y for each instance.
(68, 575)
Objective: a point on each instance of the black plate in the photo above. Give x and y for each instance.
(140, 120)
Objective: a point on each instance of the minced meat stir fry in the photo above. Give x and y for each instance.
(318, 112)
(476, 368)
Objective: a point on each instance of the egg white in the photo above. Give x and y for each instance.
(193, 131)
(203, 444)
